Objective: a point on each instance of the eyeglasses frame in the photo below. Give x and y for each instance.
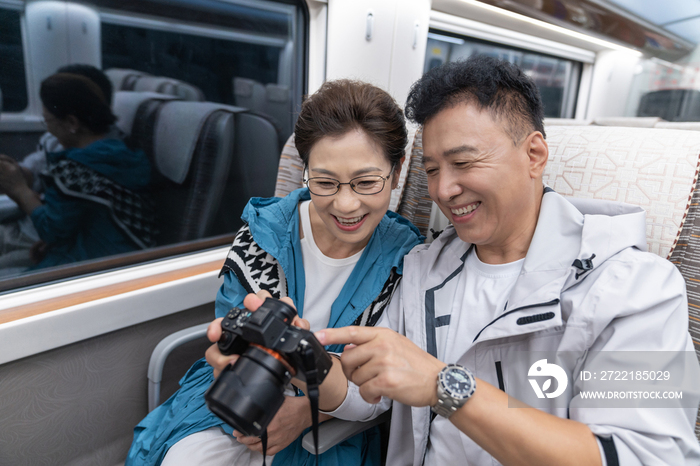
(384, 180)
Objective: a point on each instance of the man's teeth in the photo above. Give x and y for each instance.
(466, 210)
(349, 221)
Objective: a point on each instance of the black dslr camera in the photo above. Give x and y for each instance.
(248, 393)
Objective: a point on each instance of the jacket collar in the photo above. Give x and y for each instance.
(274, 224)
(568, 234)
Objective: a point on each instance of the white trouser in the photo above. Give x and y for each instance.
(212, 447)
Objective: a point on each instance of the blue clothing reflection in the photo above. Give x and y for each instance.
(77, 228)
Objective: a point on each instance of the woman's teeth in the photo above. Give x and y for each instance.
(466, 210)
(349, 221)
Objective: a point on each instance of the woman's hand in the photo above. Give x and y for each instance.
(251, 302)
(12, 178)
(290, 421)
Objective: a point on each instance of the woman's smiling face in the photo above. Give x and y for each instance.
(344, 222)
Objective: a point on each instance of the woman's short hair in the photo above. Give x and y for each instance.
(66, 94)
(344, 105)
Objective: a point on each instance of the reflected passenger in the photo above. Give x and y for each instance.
(332, 248)
(94, 203)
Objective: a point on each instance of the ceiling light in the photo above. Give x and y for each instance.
(552, 27)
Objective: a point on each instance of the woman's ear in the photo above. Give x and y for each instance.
(397, 173)
(72, 124)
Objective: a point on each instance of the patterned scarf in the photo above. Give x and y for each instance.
(132, 212)
(257, 270)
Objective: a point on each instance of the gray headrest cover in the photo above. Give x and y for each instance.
(177, 130)
(127, 102)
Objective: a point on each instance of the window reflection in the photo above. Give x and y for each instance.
(12, 75)
(204, 91)
(556, 78)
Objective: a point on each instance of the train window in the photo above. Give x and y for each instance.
(665, 90)
(557, 78)
(13, 83)
(205, 95)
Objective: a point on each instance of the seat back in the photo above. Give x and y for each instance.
(653, 168)
(126, 106)
(253, 169)
(123, 79)
(278, 108)
(191, 146)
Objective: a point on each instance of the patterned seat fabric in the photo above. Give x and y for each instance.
(653, 168)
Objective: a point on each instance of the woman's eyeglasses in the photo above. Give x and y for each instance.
(364, 185)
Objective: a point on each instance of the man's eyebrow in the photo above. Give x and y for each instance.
(454, 151)
(460, 149)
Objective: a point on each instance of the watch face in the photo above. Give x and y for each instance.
(457, 382)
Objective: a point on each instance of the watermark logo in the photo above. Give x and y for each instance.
(542, 368)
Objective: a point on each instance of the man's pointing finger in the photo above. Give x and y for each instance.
(344, 335)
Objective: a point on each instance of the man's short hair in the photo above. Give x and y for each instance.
(495, 85)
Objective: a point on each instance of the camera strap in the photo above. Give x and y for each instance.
(311, 376)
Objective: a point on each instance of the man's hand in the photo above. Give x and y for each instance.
(383, 363)
(251, 302)
(290, 421)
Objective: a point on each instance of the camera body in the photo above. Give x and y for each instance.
(248, 394)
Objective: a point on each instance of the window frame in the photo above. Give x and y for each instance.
(448, 24)
(136, 259)
(18, 5)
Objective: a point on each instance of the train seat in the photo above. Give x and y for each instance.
(248, 93)
(685, 125)
(127, 103)
(253, 169)
(632, 122)
(278, 107)
(653, 168)
(566, 122)
(192, 149)
(124, 79)
(170, 86)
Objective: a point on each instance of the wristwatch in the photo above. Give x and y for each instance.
(455, 385)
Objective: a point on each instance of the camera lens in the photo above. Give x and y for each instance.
(279, 309)
(248, 394)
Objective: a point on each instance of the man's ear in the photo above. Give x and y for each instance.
(538, 153)
(397, 173)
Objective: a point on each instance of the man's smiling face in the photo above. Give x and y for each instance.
(482, 181)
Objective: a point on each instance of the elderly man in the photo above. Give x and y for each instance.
(533, 299)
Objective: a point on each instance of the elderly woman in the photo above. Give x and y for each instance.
(82, 215)
(332, 248)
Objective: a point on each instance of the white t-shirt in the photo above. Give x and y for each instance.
(325, 277)
(479, 296)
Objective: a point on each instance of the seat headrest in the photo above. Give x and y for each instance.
(126, 103)
(630, 122)
(118, 75)
(277, 93)
(243, 87)
(177, 130)
(155, 84)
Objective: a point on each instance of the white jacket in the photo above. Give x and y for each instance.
(622, 299)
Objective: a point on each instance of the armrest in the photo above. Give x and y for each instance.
(334, 431)
(161, 353)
